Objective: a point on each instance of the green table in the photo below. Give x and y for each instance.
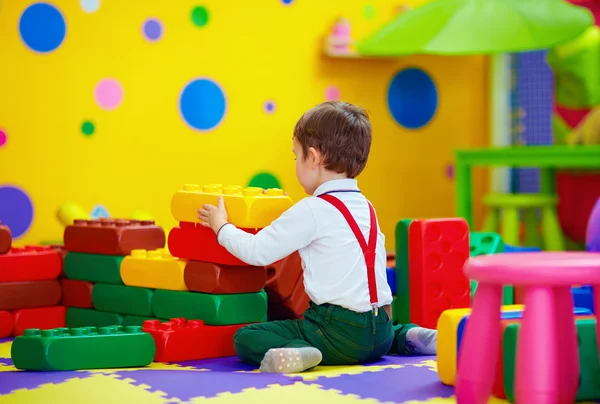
(547, 158)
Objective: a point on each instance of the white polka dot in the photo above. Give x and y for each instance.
(280, 367)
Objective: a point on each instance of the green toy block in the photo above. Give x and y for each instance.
(83, 348)
(485, 243)
(77, 317)
(401, 305)
(212, 309)
(589, 383)
(138, 320)
(93, 267)
(122, 299)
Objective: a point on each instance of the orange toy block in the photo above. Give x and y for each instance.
(5, 239)
(282, 277)
(438, 249)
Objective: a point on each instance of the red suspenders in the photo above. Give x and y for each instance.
(368, 249)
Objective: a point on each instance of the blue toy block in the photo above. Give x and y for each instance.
(505, 315)
(391, 279)
(584, 297)
(516, 249)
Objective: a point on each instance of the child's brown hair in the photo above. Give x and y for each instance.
(341, 132)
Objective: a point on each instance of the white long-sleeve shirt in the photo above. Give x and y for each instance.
(334, 266)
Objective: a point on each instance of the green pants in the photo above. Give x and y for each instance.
(344, 337)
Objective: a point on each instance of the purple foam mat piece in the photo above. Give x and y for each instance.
(186, 384)
(11, 381)
(396, 385)
(227, 364)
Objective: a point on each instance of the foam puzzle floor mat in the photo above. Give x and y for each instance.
(226, 380)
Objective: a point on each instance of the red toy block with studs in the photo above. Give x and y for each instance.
(179, 340)
(30, 263)
(24, 295)
(6, 323)
(5, 239)
(44, 318)
(438, 249)
(212, 278)
(193, 241)
(113, 236)
(77, 293)
(282, 277)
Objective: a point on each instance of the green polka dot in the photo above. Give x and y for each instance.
(264, 180)
(200, 16)
(369, 11)
(87, 128)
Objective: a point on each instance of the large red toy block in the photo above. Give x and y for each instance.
(30, 264)
(62, 251)
(113, 236)
(23, 295)
(6, 323)
(178, 340)
(193, 241)
(438, 249)
(282, 277)
(76, 293)
(291, 308)
(212, 278)
(44, 318)
(5, 239)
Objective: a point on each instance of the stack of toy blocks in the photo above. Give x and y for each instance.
(206, 292)
(430, 255)
(30, 292)
(451, 328)
(94, 291)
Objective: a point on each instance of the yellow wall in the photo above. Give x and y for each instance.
(262, 50)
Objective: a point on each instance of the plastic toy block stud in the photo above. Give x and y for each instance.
(5, 239)
(23, 295)
(155, 269)
(282, 278)
(122, 299)
(401, 306)
(192, 241)
(77, 293)
(44, 318)
(83, 348)
(30, 263)
(206, 277)
(180, 340)
(438, 249)
(113, 236)
(94, 268)
(212, 309)
(291, 308)
(250, 208)
(77, 317)
(6, 323)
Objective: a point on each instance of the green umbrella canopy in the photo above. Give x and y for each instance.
(469, 27)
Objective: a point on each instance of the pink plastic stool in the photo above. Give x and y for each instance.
(547, 363)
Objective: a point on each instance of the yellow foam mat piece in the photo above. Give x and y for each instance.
(447, 327)
(250, 208)
(155, 269)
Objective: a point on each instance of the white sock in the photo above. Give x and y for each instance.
(290, 360)
(421, 341)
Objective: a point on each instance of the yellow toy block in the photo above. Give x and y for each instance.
(447, 327)
(155, 269)
(250, 208)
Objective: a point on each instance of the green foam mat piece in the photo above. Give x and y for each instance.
(401, 305)
(122, 299)
(94, 268)
(212, 309)
(77, 317)
(83, 348)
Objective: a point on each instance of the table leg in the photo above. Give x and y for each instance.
(568, 346)
(597, 312)
(479, 349)
(464, 194)
(548, 181)
(536, 373)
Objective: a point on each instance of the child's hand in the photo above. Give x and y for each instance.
(213, 216)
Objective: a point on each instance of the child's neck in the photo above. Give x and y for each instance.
(330, 176)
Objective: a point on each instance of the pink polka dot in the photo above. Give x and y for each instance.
(332, 93)
(109, 94)
(3, 138)
(450, 171)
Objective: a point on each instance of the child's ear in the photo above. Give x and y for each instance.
(315, 157)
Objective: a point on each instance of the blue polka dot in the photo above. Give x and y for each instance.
(99, 211)
(202, 104)
(42, 27)
(287, 2)
(16, 210)
(412, 98)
